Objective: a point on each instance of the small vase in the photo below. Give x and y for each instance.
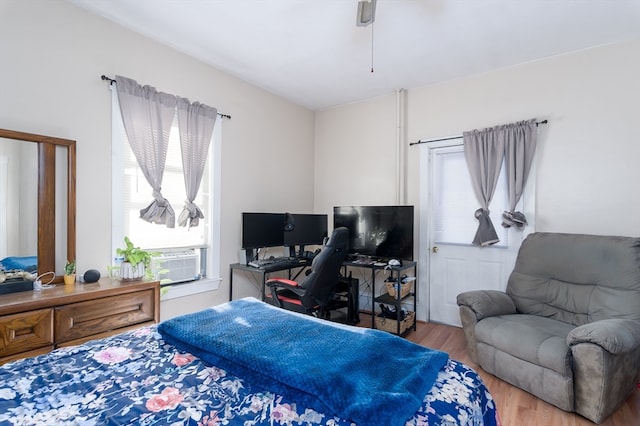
(129, 272)
(69, 279)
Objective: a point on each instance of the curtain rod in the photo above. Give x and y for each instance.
(112, 81)
(458, 137)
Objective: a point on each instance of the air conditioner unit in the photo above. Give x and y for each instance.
(182, 266)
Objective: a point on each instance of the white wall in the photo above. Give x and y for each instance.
(587, 155)
(587, 158)
(355, 157)
(52, 55)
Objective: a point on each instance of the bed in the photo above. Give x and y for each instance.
(21, 263)
(238, 371)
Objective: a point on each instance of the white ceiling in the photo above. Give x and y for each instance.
(312, 52)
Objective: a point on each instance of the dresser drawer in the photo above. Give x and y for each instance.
(92, 317)
(26, 331)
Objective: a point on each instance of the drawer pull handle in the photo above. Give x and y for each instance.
(18, 332)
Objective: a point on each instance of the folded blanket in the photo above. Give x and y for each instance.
(368, 376)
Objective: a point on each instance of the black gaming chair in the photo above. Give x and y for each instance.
(313, 295)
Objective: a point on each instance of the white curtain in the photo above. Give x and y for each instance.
(195, 122)
(147, 116)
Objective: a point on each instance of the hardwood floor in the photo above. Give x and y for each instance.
(515, 406)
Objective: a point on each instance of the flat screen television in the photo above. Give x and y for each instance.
(382, 232)
(308, 229)
(261, 230)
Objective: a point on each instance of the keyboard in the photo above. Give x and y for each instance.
(277, 261)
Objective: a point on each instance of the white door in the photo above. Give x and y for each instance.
(454, 264)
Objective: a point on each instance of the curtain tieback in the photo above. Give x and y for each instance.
(160, 200)
(516, 219)
(159, 211)
(481, 212)
(486, 234)
(191, 215)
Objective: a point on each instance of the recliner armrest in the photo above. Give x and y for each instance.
(613, 335)
(487, 303)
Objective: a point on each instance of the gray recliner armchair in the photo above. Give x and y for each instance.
(567, 328)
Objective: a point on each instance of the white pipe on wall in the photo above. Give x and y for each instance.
(401, 146)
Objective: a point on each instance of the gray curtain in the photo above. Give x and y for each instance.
(484, 151)
(196, 122)
(520, 147)
(147, 116)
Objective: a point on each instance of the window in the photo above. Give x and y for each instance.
(137, 195)
(131, 192)
(454, 200)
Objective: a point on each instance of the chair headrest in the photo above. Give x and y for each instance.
(339, 238)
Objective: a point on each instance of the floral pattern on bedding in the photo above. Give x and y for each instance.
(136, 378)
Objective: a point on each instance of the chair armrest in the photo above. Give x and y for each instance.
(487, 303)
(613, 335)
(277, 283)
(282, 282)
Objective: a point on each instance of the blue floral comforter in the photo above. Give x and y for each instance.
(137, 378)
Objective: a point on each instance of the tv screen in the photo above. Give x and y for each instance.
(262, 230)
(383, 232)
(308, 229)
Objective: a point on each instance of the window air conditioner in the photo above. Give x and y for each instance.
(182, 266)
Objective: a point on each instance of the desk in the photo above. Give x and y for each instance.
(264, 271)
(385, 298)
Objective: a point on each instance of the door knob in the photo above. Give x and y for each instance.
(434, 249)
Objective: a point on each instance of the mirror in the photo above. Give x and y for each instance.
(18, 198)
(54, 177)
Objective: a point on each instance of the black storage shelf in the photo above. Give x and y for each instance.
(396, 274)
(397, 300)
(387, 299)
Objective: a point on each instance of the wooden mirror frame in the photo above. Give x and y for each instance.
(47, 197)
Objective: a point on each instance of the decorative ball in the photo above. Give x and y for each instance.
(91, 276)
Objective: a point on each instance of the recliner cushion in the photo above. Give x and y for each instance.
(538, 340)
(577, 278)
(547, 297)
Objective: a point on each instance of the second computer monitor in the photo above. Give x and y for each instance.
(308, 229)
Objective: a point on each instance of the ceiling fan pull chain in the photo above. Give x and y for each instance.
(372, 47)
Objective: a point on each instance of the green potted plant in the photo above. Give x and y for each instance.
(70, 272)
(136, 262)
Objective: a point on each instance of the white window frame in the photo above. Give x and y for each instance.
(213, 278)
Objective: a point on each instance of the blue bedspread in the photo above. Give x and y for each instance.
(24, 263)
(367, 376)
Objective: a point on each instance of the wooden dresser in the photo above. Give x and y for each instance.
(33, 323)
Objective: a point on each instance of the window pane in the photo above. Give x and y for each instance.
(455, 202)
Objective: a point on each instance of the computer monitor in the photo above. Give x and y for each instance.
(261, 230)
(307, 229)
(384, 232)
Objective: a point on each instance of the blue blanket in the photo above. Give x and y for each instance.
(367, 376)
